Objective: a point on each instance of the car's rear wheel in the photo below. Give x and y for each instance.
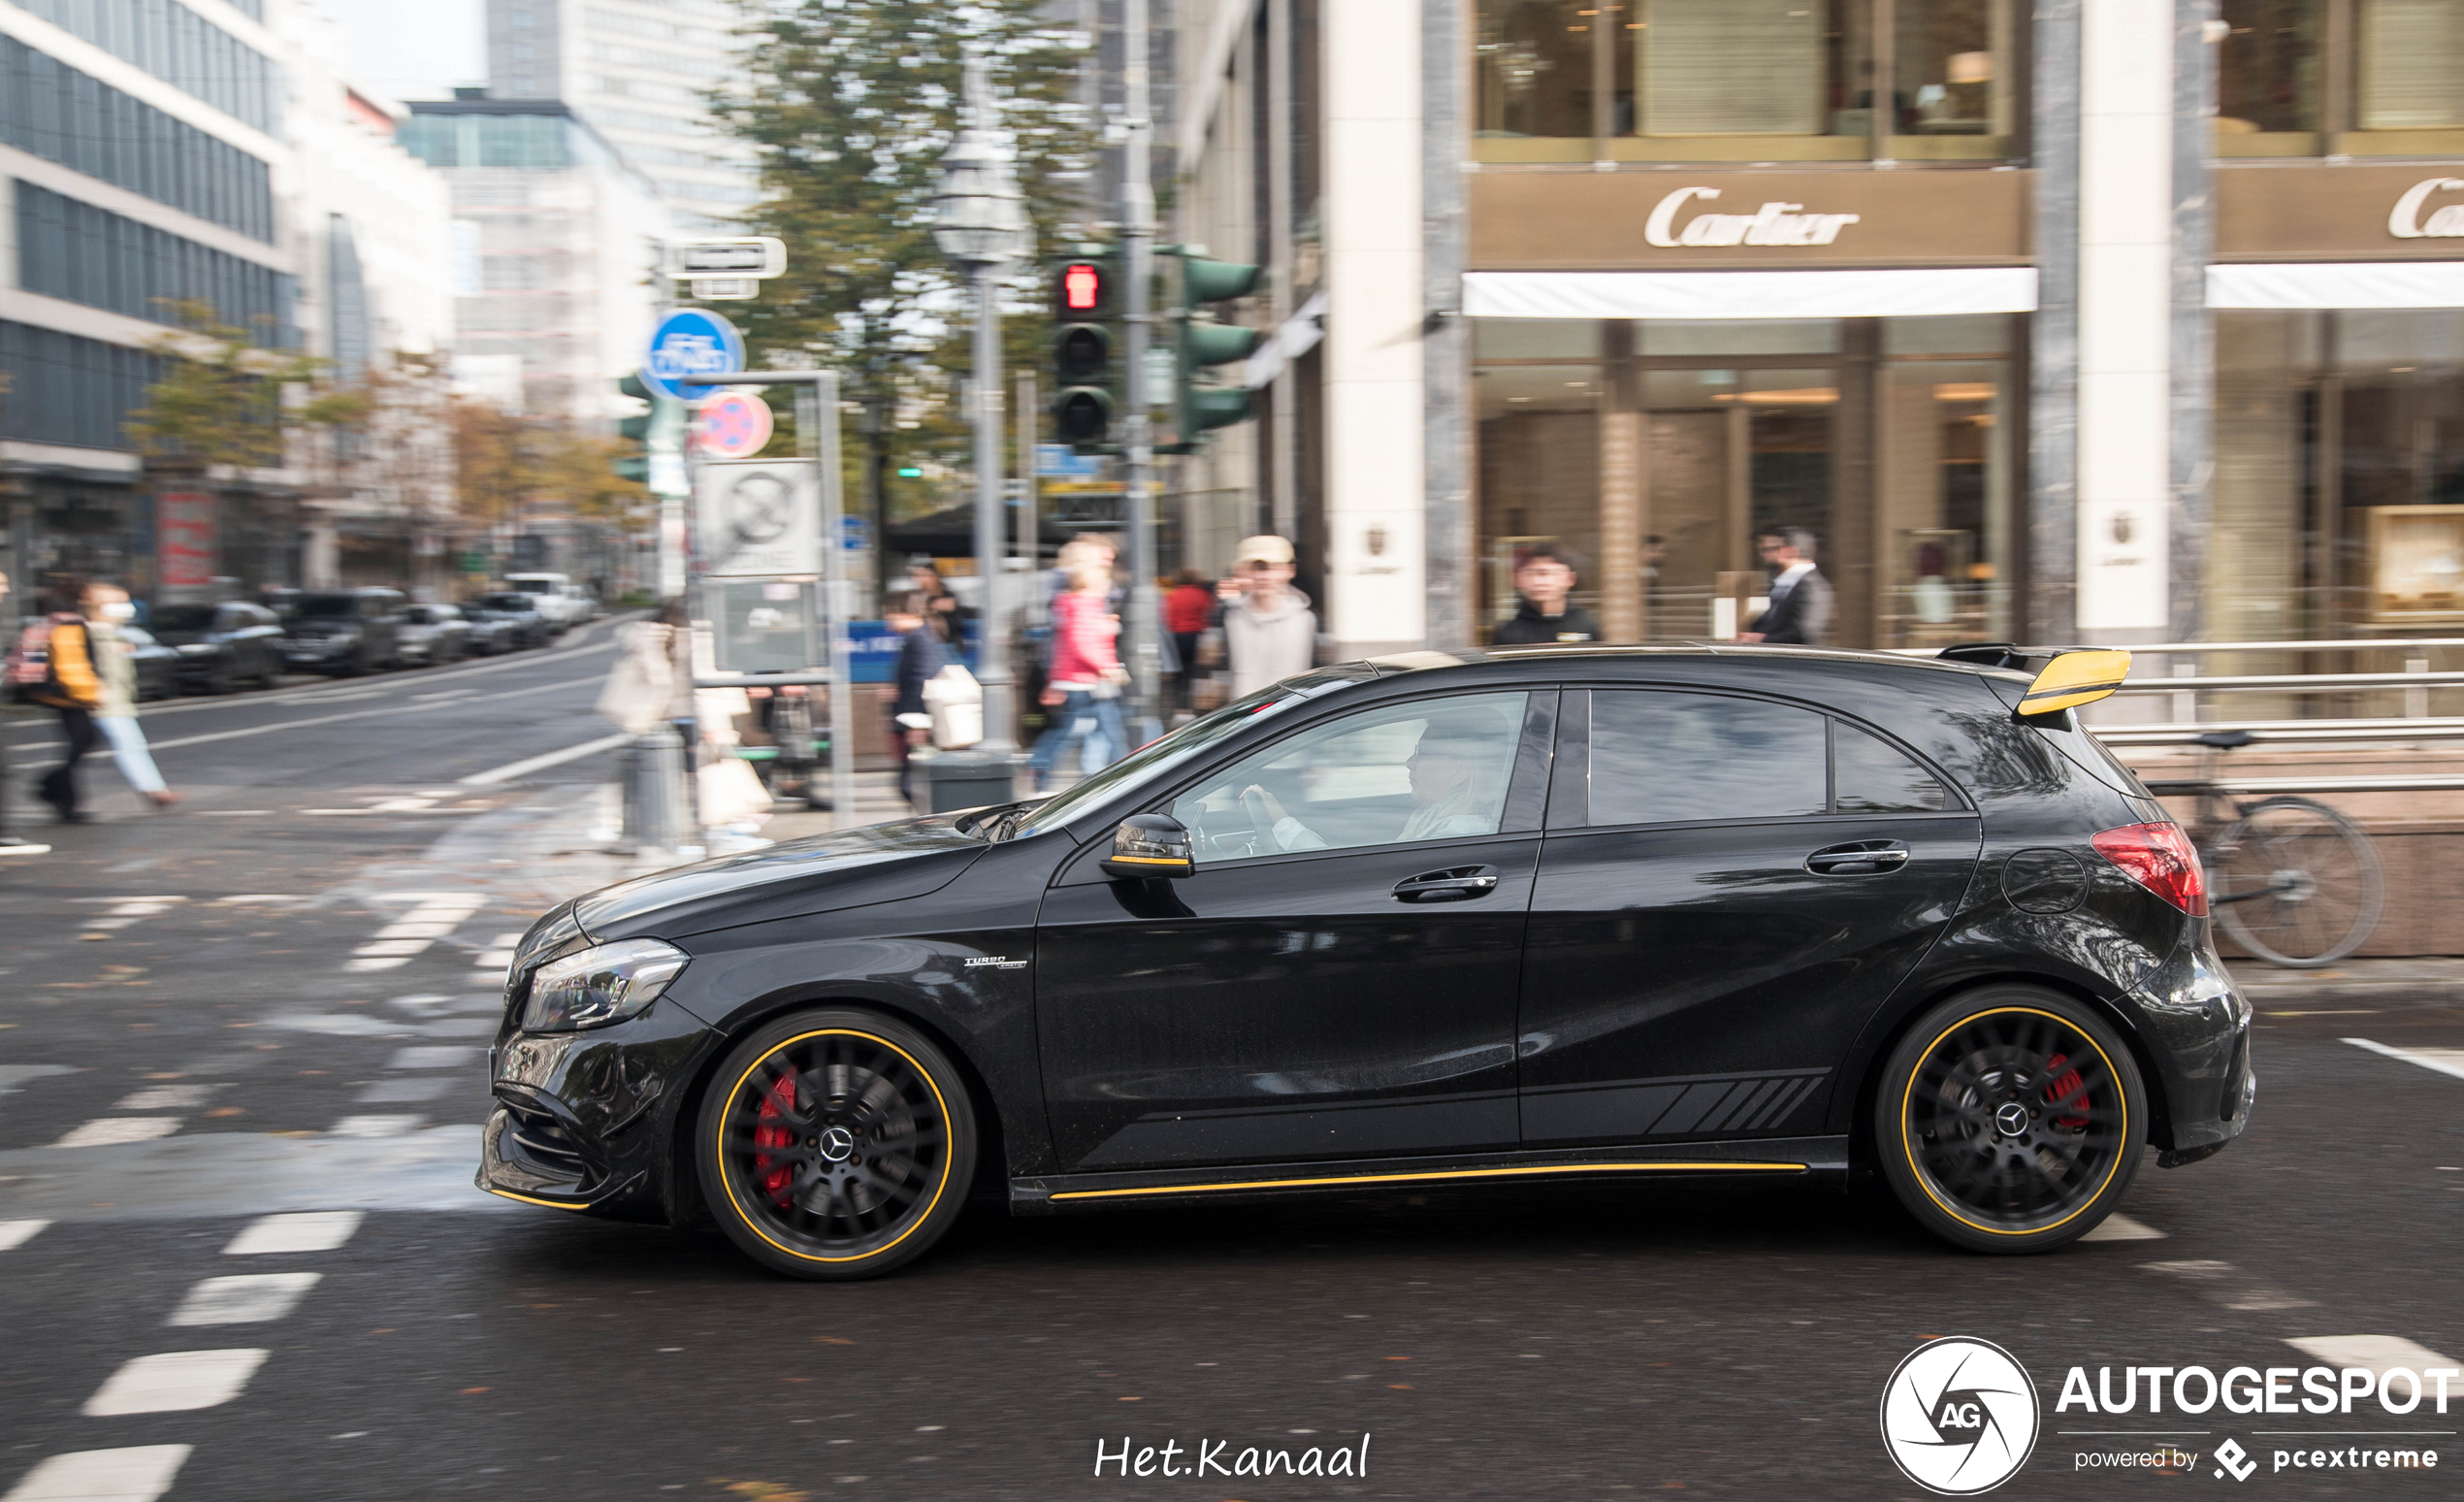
(2010, 1118)
(835, 1144)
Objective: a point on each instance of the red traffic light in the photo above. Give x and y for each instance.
(1081, 287)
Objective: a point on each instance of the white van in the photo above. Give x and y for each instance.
(563, 602)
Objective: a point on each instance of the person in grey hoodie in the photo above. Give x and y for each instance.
(1268, 631)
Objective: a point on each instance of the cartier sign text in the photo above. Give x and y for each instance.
(1774, 224)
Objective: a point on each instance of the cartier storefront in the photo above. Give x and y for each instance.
(1667, 362)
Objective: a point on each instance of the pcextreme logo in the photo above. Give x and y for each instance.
(1959, 1415)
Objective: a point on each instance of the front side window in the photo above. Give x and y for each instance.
(1400, 774)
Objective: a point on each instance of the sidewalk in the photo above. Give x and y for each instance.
(2421, 982)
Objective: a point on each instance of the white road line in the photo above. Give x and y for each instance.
(298, 1230)
(2121, 1227)
(376, 1126)
(2445, 1061)
(363, 966)
(2223, 1283)
(423, 927)
(2378, 1353)
(276, 726)
(140, 1472)
(528, 765)
(435, 1056)
(110, 1131)
(167, 1098)
(243, 1299)
(170, 1381)
(16, 1234)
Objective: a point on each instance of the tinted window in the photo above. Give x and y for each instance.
(1870, 776)
(185, 617)
(325, 607)
(1664, 758)
(1433, 770)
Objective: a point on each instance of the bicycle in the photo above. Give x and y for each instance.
(2293, 881)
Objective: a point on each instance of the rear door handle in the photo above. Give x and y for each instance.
(1460, 884)
(1857, 858)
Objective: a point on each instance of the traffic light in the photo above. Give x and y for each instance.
(1200, 342)
(1085, 359)
(635, 466)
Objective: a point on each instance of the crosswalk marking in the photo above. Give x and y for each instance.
(431, 917)
(167, 1098)
(297, 1230)
(432, 1057)
(2121, 1227)
(2222, 1283)
(243, 1299)
(128, 910)
(16, 1234)
(170, 1381)
(2378, 1353)
(108, 1130)
(2445, 1061)
(393, 1092)
(140, 1472)
(376, 1126)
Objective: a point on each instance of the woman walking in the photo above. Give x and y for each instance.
(72, 689)
(1084, 691)
(107, 607)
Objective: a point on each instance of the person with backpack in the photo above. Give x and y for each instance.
(70, 686)
(10, 844)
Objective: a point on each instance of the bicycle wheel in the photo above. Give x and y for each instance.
(2295, 883)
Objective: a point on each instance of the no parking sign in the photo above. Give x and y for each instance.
(734, 425)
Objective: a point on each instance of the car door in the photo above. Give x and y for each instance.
(1729, 886)
(1336, 980)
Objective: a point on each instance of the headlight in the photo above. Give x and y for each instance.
(600, 986)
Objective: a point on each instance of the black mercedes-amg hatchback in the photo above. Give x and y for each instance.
(1571, 913)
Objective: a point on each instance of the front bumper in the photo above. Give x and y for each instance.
(587, 1121)
(2196, 1027)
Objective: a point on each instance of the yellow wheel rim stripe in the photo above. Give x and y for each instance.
(1909, 1147)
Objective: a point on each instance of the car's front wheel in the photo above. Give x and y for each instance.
(2010, 1118)
(835, 1144)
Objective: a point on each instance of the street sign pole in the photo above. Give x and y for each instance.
(1138, 234)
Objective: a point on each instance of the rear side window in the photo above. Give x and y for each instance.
(1664, 758)
(1871, 776)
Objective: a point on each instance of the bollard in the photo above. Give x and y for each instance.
(654, 791)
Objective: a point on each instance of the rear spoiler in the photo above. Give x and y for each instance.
(2070, 676)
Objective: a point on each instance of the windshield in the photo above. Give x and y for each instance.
(509, 601)
(325, 607)
(1157, 757)
(184, 618)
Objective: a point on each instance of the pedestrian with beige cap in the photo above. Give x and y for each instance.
(1268, 631)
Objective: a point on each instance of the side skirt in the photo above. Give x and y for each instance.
(1800, 1158)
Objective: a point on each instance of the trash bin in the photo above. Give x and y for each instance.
(967, 779)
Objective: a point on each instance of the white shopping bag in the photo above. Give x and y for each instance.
(956, 702)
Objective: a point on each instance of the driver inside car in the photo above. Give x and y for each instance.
(1457, 771)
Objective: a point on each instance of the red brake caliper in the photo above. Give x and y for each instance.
(2066, 1090)
(780, 1102)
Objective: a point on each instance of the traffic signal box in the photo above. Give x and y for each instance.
(1088, 386)
(1200, 343)
(635, 466)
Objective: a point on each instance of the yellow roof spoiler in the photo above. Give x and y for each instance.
(2074, 678)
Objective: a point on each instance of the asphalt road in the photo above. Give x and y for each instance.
(213, 1067)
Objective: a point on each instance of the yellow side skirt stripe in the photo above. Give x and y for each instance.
(552, 1204)
(1453, 1173)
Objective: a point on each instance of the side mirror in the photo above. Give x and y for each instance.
(1147, 846)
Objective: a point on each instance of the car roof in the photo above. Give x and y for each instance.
(1573, 659)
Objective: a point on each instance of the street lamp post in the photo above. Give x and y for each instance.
(979, 223)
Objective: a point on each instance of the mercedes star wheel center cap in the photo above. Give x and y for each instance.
(2010, 1118)
(838, 1144)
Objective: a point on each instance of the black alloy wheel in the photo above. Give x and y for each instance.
(835, 1144)
(2010, 1120)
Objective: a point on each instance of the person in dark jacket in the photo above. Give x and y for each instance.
(920, 655)
(1800, 610)
(9, 844)
(1544, 576)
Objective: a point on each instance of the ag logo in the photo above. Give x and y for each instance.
(1959, 1415)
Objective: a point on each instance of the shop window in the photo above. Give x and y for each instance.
(1535, 88)
(1536, 338)
(2365, 77)
(1953, 91)
(1540, 473)
(2268, 75)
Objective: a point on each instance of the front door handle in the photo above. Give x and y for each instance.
(1857, 858)
(1460, 884)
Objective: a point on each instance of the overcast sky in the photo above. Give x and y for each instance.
(411, 52)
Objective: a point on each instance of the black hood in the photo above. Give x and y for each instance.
(880, 863)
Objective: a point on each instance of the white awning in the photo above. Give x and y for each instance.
(1750, 294)
(2338, 284)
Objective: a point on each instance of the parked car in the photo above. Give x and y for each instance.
(344, 632)
(157, 666)
(564, 602)
(1604, 913)
(487, 632)
(433, 635)
(222, 646)
(529, 628)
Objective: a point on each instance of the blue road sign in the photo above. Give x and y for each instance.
(693, 341)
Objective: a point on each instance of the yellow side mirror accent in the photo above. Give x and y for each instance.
(2075, 678)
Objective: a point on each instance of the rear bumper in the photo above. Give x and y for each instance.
(2196, 1029)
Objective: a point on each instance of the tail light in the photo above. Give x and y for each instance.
(2160, 857)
